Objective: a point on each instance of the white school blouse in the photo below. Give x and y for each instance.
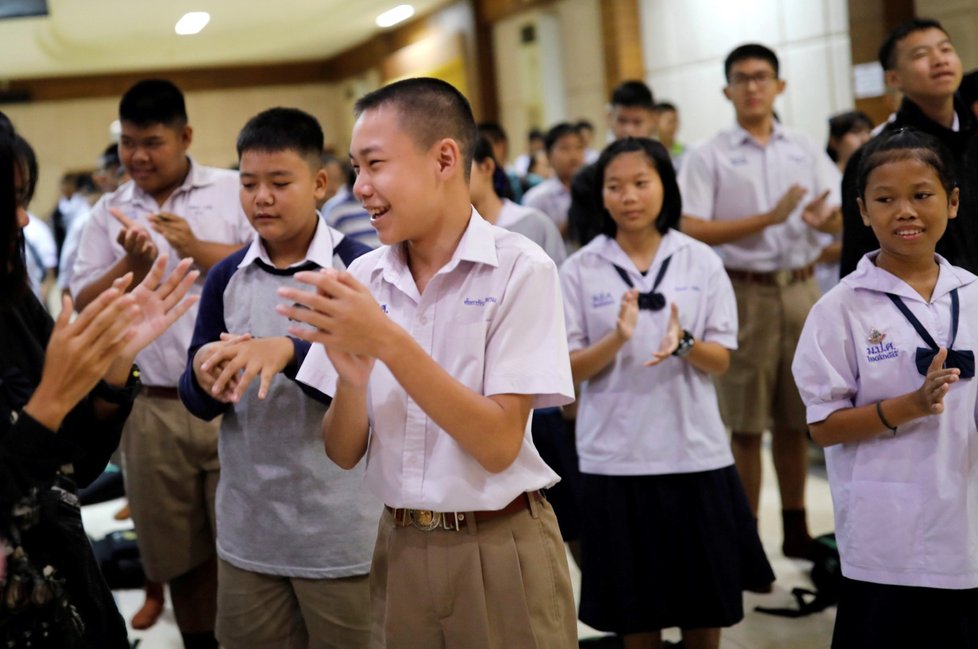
(906, 504)
(492, 317)
(635, 420)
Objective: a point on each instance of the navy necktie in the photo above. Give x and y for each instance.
(650, 300)
(963, 359)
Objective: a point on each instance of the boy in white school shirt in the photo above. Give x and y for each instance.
(469, 334)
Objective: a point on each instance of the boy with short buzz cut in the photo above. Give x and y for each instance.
(440, 378)
(565, 152)
(173, 205)
(294, 532)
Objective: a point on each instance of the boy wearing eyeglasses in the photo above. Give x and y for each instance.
(764, 195)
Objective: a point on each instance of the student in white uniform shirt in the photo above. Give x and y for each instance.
(440, 378)
(668, 537)
(885, 366)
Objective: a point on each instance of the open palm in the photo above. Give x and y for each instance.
(161, 303)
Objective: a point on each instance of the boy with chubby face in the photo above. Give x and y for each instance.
(294, 531)
(435, 348)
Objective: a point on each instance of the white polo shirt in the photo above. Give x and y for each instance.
(731, 176)
(535, 226)
(635, 420)
(906, 505)
(551, 198)
(208, 199)
(492, 317)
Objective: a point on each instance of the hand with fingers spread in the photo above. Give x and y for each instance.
(787, 204)
(135, 240)
(242, 361)
(344, 314)
(161, 302)
(80, 352)
(176, 230)
(670, 341)
(821, 216)
(627, 314)
(936, 385)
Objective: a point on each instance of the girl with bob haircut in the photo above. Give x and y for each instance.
(668, 538)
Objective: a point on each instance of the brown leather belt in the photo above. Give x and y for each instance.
(780, 278)
(427, 520)
(159, 392)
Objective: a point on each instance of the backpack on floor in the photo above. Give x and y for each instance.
(118, 558)
(826, 577)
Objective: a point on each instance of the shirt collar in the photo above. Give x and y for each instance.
(739, 135)
(197, 176)
(871, 277)
(609, 250)
(477, 245)
(320, 251)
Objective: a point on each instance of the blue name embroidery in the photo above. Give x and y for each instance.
(383, 307)
(601, 299)
(479, 301)
(881, 352)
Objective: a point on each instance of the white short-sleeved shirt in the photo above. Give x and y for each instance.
(41, 252)
(535, 226)
(635, 420)
(906, 505)
(731, 176)
(209, 200)
(492, 317)
(551, 198)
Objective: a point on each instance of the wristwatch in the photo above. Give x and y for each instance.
(685, 344)
(116, 395)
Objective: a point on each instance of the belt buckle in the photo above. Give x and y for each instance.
(425, 519)
(783, 278)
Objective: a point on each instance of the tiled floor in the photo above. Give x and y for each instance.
(756, 631)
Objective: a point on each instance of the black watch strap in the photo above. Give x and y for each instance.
(685, 344)
(119, 395)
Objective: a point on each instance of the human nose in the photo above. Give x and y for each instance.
(362, 187)
(263, 195)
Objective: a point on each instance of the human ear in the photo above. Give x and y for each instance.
(862, 211)
(953, 202)
(448, 155)
(320, 182)
(186, 135)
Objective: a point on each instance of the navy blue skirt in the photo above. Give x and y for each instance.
(880, 616)
(666, 551)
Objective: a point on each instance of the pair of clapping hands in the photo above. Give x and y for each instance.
(137, 243)
(817, 214)
(106, 336)
(343, 315)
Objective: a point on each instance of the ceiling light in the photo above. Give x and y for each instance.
(192, 23)
(398, 14)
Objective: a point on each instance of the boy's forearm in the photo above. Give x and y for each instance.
(715, 233)
(346, 426)
(206, 254)
(487, 430)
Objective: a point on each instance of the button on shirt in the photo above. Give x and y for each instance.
(731, 177)
(492, 317)
(906, 504)
(208, 200)
(551, 198)
(636, 420)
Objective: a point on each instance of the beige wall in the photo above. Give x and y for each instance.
(960, 19)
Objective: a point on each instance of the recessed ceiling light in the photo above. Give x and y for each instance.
(192, 23)
(398, 14)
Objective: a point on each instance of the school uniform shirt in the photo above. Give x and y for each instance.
(492, 317)
(535, 226)
(906, 504)
(635, 420)
(208, 200)
(731, 176)
(551, 198)
(282, 507)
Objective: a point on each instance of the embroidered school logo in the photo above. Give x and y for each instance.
(599, 300)
(875, 337)
(478, 301)
(383, 307)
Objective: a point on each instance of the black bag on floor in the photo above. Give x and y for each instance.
(826, 577)
(118, 557)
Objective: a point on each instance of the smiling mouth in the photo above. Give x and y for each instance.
(909, 233)
(377, 212)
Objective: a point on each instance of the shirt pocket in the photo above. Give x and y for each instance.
(882, 528)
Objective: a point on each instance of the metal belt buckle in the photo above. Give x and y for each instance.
(425, 519)
(783, 278)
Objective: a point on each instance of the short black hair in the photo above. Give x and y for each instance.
(843, 123)
(153, 101)
(632, 94)
(969, 88)
(557, 131)
(664, 107)
(109, 157)
(492, 130)
(500, 181)
(584, 124)
(429, 110)
(658, 157)
(906, 144)
(887, 53)
(750, 51)
(534, 134)
(283, 129)
(6, 126)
